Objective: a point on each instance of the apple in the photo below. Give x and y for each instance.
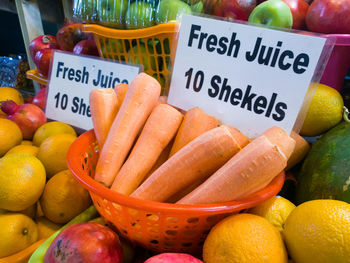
(329, 17)
(69, 35)
(170, 10)
(41, 42)
(234, 9)
(139, 14)
(173, 258)
(42, 61)
(85, 242)
(272, 13)
(86, 47)
(40, 98)
(112, 12)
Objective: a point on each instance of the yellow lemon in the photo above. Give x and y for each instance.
(7, 93)
(10, 135)
(51, 128)
(46, 228)
(275, 210)
(26, 142)
(244, 238)
(30, 149)
(325, 111)
(39, 211)
(63, 198)
(53, 152)
(22, 181)
(17, 232)
(30, 211)
(318, 231)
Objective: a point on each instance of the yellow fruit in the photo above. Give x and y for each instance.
(275, 210)
(22, 181)
(30, 211)
(26, 142)
(318, 231)
(45, 227)
(53, 152)
(17, 232)
(99, 220)
(30, 149)
(39, 211)
(325, 111)
(244, 238)
(51, 128)
(10, 135)
(7, 93)
(63, 198)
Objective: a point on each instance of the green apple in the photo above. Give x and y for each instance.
(139, 14)
(272, 13)
(141, 57)
(198, 7)
(112, 12)
(169, 10)
(86, 10)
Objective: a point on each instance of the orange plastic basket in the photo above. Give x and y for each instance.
(156, 226)
(33, 74)
(150, 47)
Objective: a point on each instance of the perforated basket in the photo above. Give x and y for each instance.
(150, 47)
(156, 226)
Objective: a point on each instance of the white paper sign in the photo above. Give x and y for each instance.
(250, 77)
(71, 80)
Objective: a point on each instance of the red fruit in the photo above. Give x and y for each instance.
(234, 9)
(40, 98)
(85, 242)
(28, 117)
(41, 42)
(42, 61)
(69, 35)
(86, 47)
(173, 258)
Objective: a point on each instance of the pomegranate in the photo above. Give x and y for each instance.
(41, 42)
(42, 61)
(40, 98)
(173, 258)
(69, 35)
(28, 117)
(86, 47)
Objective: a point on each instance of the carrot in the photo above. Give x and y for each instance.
(120, 91)
(245, 173)
(280, 138)
(183, 192)
(195, 123)
(139, 101)
(163, 99)
(302, 147)
(240, 138)
(158, 131)
(104, 108)
(199, 158)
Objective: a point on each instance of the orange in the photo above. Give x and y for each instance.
(26, 142)
(53, 152)
(30, 149)
(10, 135)
(22, 181)
(7, 93)
(244, 238)
(51, 128)
(318, 231)
(46, 228)
(63, 198)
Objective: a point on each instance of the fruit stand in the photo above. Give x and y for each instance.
(119, 156)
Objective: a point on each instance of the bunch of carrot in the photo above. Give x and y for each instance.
(150, 150)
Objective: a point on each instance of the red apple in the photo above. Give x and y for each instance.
(42, 61)
(69, 35)
(85, 242)
(86, 47)
(41, 42)
(173, 258)
(234, 9)
(329, 16)
(40, 98)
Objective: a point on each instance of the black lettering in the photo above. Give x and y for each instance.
(260, 105)
(124, 81)
(281, 64)
(265, 60)
(71, 74)
(225, 88)
(215, 80)
(59, 68)
(271, 104)
(236, 94)
(251, 56)
(247, 99)
(223, 45)
(104, 80)
(211, 43)
(280, 107)
(110, 80)
(64, 72)
(301, 62)
(78, 75)
(117, 81)
(201, 39)
(75, 106)
(85, 76)
(275, 54)
(88, 112)
(234, 43)
(193, 35)
(97, 81)
(82, 107)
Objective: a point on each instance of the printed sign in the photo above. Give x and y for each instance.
(71, 80)
(250, 77)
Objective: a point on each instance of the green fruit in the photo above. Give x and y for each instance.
(140, 57)
(169, 10)
(325, 171)
(86, 10)
(112, 12)
(198, 7)
(139, 14)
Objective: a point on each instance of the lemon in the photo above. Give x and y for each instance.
(30, 211)
(51, 128)
(244, 238)
(22, 181)
(30, 149)
(46, 228)
(26, 142)
(17, 232)
(53, 152)
(318, 231)
(8, 93)
(325, 111)
(10, 135)
(275, 210)
(63, 198)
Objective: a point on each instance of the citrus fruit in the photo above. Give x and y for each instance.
(318, 231)
(51, 128)
(17, 232)
(22, 181)
(10, 135)
(30, 211)
(275, 210)
(63, 198)
(244, 238)
(45, 227)
(53, 152)
(30, 149)
(7, 93)
(26, 142)
(325, 111)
